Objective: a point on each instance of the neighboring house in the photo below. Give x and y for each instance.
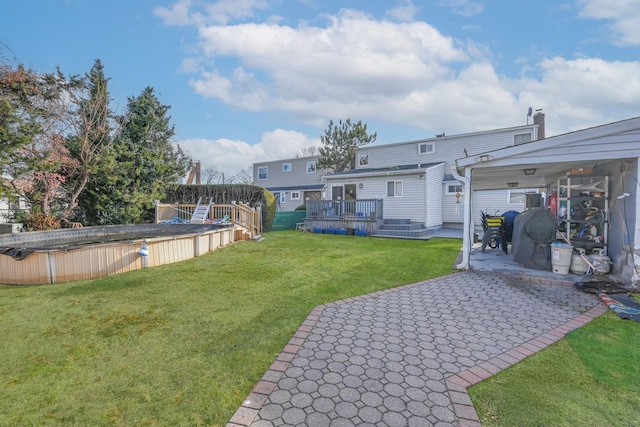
(292, 181)
(9, 206)
(611, 150)
(414, 179)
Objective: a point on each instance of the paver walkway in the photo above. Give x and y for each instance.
(404, 357)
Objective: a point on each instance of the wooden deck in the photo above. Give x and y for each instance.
(364, 215)
(247, 221)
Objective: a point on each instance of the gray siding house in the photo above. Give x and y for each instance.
(292, 181)
(413, 178)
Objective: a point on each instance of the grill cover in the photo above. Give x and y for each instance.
(533, 230)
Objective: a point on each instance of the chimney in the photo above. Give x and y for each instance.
(538, 119)
(198, 174)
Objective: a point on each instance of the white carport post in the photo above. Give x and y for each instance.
(467, 227)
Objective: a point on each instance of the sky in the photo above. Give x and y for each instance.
(256, 80)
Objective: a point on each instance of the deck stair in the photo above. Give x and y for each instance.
(403, 228)
(200, 213)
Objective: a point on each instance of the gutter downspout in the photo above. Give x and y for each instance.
(466, 234)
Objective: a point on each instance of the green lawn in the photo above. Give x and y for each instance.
(589, 379)
(183, 344)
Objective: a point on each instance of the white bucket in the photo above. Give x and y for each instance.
(561, 257)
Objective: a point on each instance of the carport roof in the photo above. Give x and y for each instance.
(554, 156)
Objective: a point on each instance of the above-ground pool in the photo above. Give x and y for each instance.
(86, 253)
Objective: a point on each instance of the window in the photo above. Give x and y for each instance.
(311, 166)
(280, 197)
(363, 159)
(518, 197)
(454, 188)
(427, 148)
(394, 188)
(286, 167)
(263, 172)
(295, 195)
(521, 138)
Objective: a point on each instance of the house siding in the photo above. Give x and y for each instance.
(284, 183)
(431, 205)
(447, 149)
(298, 175)
(493, 202)
(452, 211)
(411, 204)
(434, 197)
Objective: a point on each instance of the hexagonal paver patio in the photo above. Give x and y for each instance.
(404, 357)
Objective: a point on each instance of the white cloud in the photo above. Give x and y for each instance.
(404, 12)
(231, 156)
(583, 92)
(464, 7)
(223, 11)
(176, 15)
(354, 64)
(624, 16)
(402, 74)
(220, 12)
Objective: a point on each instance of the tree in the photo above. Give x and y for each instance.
(21, 113)
(90, 127)
(339, 145)
(143, 163)
(213, 176)
(244, 176)
(309, 151)
(38, 162)
(69, 123)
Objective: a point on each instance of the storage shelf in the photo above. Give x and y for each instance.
(582, 221)
(587, 186)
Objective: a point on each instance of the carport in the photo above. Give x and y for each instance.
(612, 149)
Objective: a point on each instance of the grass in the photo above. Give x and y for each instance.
(183, 344)
(590, 378)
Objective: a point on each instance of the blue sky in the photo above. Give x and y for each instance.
(255, 80)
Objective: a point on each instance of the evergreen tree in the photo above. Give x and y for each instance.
(339, 145)
(143, 161)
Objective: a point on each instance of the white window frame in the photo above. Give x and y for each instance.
(448, 191)
(312, 167)
(266, 173)
(396, 185)
(287, 167)
(515, 138)
(283, 198)
(295, 195)
(523, 192)
(427, 149)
